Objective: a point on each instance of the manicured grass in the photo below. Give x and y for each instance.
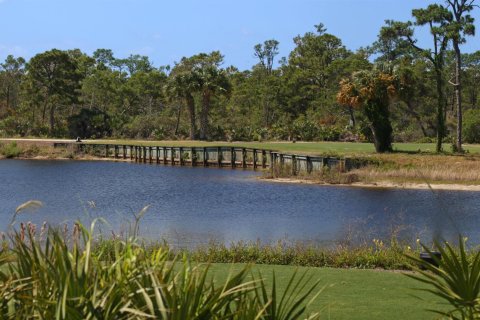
(299, 147)
(354, 294)
(341, 148)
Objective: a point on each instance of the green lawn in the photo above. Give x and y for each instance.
(352, 294)
(355, 294)
(299, 147)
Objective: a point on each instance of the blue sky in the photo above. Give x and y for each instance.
(168, 30)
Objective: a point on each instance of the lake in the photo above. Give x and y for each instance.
(190, 206)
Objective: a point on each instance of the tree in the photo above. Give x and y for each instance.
(212, 80)
(266, 79)
(266, 54)
(312, 74)
(372, 92)
(55, 79)
(104, 58)
(471, 79)
(137, 63)
(460, 26)
(89, 123)
(181, 85)
(11, 74)
(436, 17)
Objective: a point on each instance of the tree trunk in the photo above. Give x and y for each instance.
(417, 117)
(191, 112)
(179, 112)
(440, 109)
(52, 118)
(458, 93)
(204, 115)
(44, 111)
(381, 128)
(352, 116)
(8, 97)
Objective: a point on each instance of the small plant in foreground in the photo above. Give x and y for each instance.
(53, 278)
(456, 279)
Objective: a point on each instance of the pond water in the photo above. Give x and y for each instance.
(196, 205)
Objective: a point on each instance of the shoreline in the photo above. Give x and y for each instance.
(48, 153)
(382, 185)
(373, 185)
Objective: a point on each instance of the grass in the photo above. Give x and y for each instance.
(351, 293)
(128, 279)
(340, 148)
(60, 277)
(373, 255)
(355, 294)
(416, 168)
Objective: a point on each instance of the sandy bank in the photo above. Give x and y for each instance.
(385, 184)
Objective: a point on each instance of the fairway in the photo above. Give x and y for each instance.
(313, 148)
(354, 294)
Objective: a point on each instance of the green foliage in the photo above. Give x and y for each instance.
(471, 126)
(368, 256)
(10, 150)
(456, 279)
(372, 91)
(89, 123)
(54, 277)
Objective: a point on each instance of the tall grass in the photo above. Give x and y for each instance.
(423, 168)
(377, 255)
(51, 277)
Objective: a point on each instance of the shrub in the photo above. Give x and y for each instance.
(10, 150)
(456, 279)
(89, 123)
(471, 126)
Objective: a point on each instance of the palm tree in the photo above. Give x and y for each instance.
(182, 85)
(212, 81)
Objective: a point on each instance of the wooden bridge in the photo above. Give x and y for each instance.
(221, 156)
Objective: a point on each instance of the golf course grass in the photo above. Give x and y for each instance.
(341, 148)
(354, 294)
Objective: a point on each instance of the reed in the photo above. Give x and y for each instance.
(425, 168)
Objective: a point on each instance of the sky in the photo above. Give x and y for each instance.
(166, 31)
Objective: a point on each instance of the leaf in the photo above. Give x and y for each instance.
(29, 205)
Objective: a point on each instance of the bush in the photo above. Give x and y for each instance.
(10, 150)
(12, 126)
(471, 126)
(89, 123)
(456, 280)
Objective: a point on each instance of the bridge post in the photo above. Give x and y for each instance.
(244, 158)
(205, 157)
(219, 157)
(294, 164)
